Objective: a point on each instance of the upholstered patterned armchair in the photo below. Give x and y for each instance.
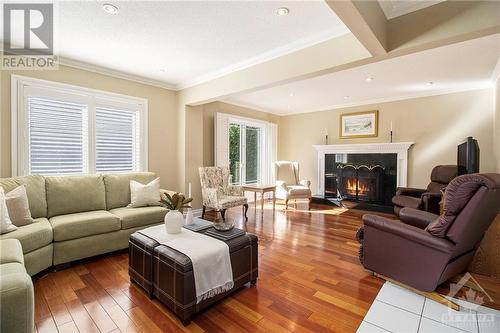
(288, 184)
(218, 194)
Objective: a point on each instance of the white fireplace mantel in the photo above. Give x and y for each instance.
(399, 148)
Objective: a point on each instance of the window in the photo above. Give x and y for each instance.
(247, 146)
(60, 129)
(244, 153)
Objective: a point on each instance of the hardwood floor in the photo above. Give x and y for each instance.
(310, 280)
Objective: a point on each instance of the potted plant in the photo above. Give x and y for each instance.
(175, 204)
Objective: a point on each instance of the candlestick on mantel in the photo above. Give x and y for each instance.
(391, 131)
(189, 190)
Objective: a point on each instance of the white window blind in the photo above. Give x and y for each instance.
(57, 136)
(117, 140)
(63, 129)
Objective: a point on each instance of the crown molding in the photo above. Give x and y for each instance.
(114, 73)
(266, 56)
(261, 58)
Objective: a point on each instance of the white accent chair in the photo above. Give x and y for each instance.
(218, 193)
(288, 184)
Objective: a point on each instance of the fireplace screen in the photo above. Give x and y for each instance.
(361, 177)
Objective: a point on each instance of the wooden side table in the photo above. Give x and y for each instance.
(262, 189)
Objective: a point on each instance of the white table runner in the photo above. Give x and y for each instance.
(212, 269)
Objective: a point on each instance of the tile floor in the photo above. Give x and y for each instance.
(396, 310)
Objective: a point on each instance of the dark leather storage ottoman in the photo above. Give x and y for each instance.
(168, 274)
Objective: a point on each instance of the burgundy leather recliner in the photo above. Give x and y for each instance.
(423, 250)
(425, 199)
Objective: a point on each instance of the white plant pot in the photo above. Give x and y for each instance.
(174, 221)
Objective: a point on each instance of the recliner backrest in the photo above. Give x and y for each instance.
(476, 216)
(470, 206)
(441, 176)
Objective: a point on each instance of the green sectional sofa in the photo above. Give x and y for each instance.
(78, 216)
(17, 303)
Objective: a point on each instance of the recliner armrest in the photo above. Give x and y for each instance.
(408, 232)
(417, 218)
(410, 191)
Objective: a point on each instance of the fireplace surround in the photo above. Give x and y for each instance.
(362, 172)
(367, 178)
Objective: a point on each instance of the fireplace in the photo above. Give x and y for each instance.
(367, 178)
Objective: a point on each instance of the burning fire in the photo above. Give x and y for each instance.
(352, 185)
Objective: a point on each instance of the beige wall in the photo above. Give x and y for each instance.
(163, 130)
(436, 124)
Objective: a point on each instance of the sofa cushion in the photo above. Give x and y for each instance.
(136, 217)
(118, 187)
(77, 225)
(406, 201)
(298, 190)
(74, 194)
(35, 189)
(11, 251)
(32, 236)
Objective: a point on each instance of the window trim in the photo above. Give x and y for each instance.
(269, 144)
(19, 135)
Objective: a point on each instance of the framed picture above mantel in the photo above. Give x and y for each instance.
(359, 124)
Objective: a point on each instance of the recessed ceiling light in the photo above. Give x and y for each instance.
(282, 11)
(369, 79)
(347, 97)
(109, 8)
(291, 94)
(430, 83)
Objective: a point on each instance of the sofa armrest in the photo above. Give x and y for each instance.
(417, 218)
(408, 232)
(11, 251)
(305, 182)
(410, 191)
(17, 301)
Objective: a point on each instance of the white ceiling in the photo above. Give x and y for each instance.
(192, 41)
(457, 67)
(395, 8)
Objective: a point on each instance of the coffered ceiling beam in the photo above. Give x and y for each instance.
(445, 23)
(366, 20)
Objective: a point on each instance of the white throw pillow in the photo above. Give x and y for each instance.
(18, 206)
(144, 195)
(5, 222)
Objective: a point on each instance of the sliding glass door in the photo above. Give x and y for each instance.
(245, 150)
